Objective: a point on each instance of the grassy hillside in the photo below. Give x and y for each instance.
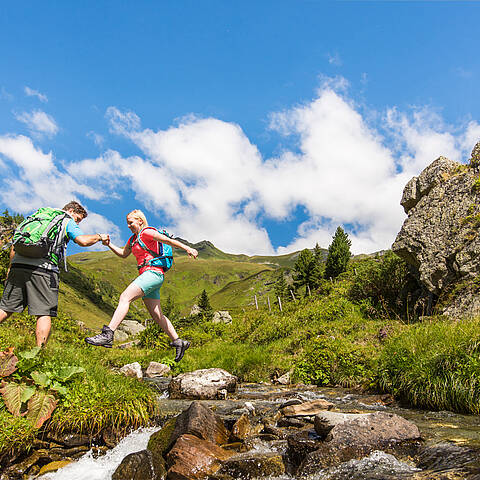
(91, 287)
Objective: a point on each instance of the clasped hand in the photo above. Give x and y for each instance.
(105, 237)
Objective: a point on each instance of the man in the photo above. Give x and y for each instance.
(33, 282)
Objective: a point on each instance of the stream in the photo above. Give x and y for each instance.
(452, 433)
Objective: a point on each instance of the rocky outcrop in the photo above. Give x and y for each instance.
(440, 238)
(202, 384)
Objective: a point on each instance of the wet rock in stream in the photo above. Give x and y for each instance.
(444, 457)
(193, 458)
(203, 384)
(136, 466)
(357, 438)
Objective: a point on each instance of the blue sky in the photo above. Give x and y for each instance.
(258, 125)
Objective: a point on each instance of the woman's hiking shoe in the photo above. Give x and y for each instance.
(180, 348)
(104, 339)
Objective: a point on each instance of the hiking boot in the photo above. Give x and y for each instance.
(180, 348)
(104, 339)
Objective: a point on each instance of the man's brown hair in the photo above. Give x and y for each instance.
(76, 207)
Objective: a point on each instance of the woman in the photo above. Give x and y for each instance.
(147, 284)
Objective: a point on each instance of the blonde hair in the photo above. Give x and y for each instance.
(140, 215)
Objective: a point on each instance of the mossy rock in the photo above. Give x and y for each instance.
(160, 443)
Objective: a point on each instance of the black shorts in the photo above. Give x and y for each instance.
(33, 287)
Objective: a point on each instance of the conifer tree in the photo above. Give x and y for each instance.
(281, 287)
(204, 304)
(338, 254)
(307, 272)
(318, 254)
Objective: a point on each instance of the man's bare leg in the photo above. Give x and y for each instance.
(4, 315)
(44, 324)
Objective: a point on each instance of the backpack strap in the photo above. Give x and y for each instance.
(144, 246)
(156, 255)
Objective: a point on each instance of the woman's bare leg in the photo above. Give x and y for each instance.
(155, 310)
(131, 293)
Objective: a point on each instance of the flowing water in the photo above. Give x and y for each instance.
(102, 468)
(452, 433)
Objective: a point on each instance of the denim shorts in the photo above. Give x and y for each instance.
(150, 282)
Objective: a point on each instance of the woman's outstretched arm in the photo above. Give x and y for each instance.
(122, 252)
(175, 243)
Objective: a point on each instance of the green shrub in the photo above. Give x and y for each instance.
(153, 337)
(332, 361)
(384, 286)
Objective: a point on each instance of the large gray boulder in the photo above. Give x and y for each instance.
(440, 238)
(202, 384)
(358, 437)
(325, 421)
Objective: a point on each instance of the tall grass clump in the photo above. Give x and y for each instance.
(434, 365)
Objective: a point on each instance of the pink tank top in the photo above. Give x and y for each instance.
(142, 255)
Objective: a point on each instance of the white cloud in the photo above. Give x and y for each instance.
(470, 138)
(334, 59)
(98, 139)
(34, 178)
(30, 92)
(38, 122)
(214, 184)
(122, 123)
(31, 179)
(21, 151)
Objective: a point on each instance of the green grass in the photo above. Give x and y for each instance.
(435, 365)
(259, 344)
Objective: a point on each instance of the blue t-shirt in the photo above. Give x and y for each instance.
(73, 230)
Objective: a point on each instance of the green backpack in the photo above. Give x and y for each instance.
(42, 235)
